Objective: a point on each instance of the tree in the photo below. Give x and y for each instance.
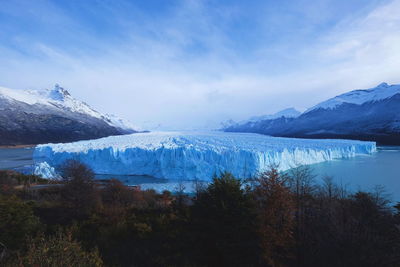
(17, 222)
(276, 215)
(301, 181)
(79, 193)
(371, 237)
(224, 224)
(117, 194)
(75, 171)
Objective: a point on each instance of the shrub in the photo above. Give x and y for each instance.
(58, 250)
(17, 222)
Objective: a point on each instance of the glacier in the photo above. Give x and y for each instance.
(193, 155)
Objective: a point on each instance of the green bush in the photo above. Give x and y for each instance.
(17, 222)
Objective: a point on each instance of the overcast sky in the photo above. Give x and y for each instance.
(191, 64)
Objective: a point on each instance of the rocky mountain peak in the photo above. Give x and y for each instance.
(59, 93)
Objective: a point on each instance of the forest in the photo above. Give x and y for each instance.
(275, 219)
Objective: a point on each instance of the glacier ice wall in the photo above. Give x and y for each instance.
(194, 155)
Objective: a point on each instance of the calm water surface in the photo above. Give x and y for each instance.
(15, 158)
(365, 172)
(361, 172)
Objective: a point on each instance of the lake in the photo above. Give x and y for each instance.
(16, 158)
(365, 172)
(361, 172)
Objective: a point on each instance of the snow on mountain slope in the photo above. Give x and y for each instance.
(61, 99)
(287, 113)
(253, 121)
(193, 155)
(359, 97)
(28, 97)
(121, 123)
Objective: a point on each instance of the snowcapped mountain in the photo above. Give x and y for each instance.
(265, 123)
(30, 117)
(359, 97)
(287, 113)
(371, 114)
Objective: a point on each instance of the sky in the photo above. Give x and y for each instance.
(191, 64)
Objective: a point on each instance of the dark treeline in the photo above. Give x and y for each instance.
(274, 220)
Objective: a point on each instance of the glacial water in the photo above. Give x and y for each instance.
(16, 158)
(365, 172)
(358, 173)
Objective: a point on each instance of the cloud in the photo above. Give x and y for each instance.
(188, 66)
(367, 50)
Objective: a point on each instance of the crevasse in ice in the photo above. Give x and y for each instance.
(194, 155)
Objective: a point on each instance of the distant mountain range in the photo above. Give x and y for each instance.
(371, 114)
(32, 117)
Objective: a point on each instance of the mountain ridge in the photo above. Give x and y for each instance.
(360, 96)
(369, 114)
(42, 116)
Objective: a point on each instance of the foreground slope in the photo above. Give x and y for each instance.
(194, 155)
(32, 117)
(371, 114)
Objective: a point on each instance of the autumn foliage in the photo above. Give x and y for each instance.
(273, 220)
